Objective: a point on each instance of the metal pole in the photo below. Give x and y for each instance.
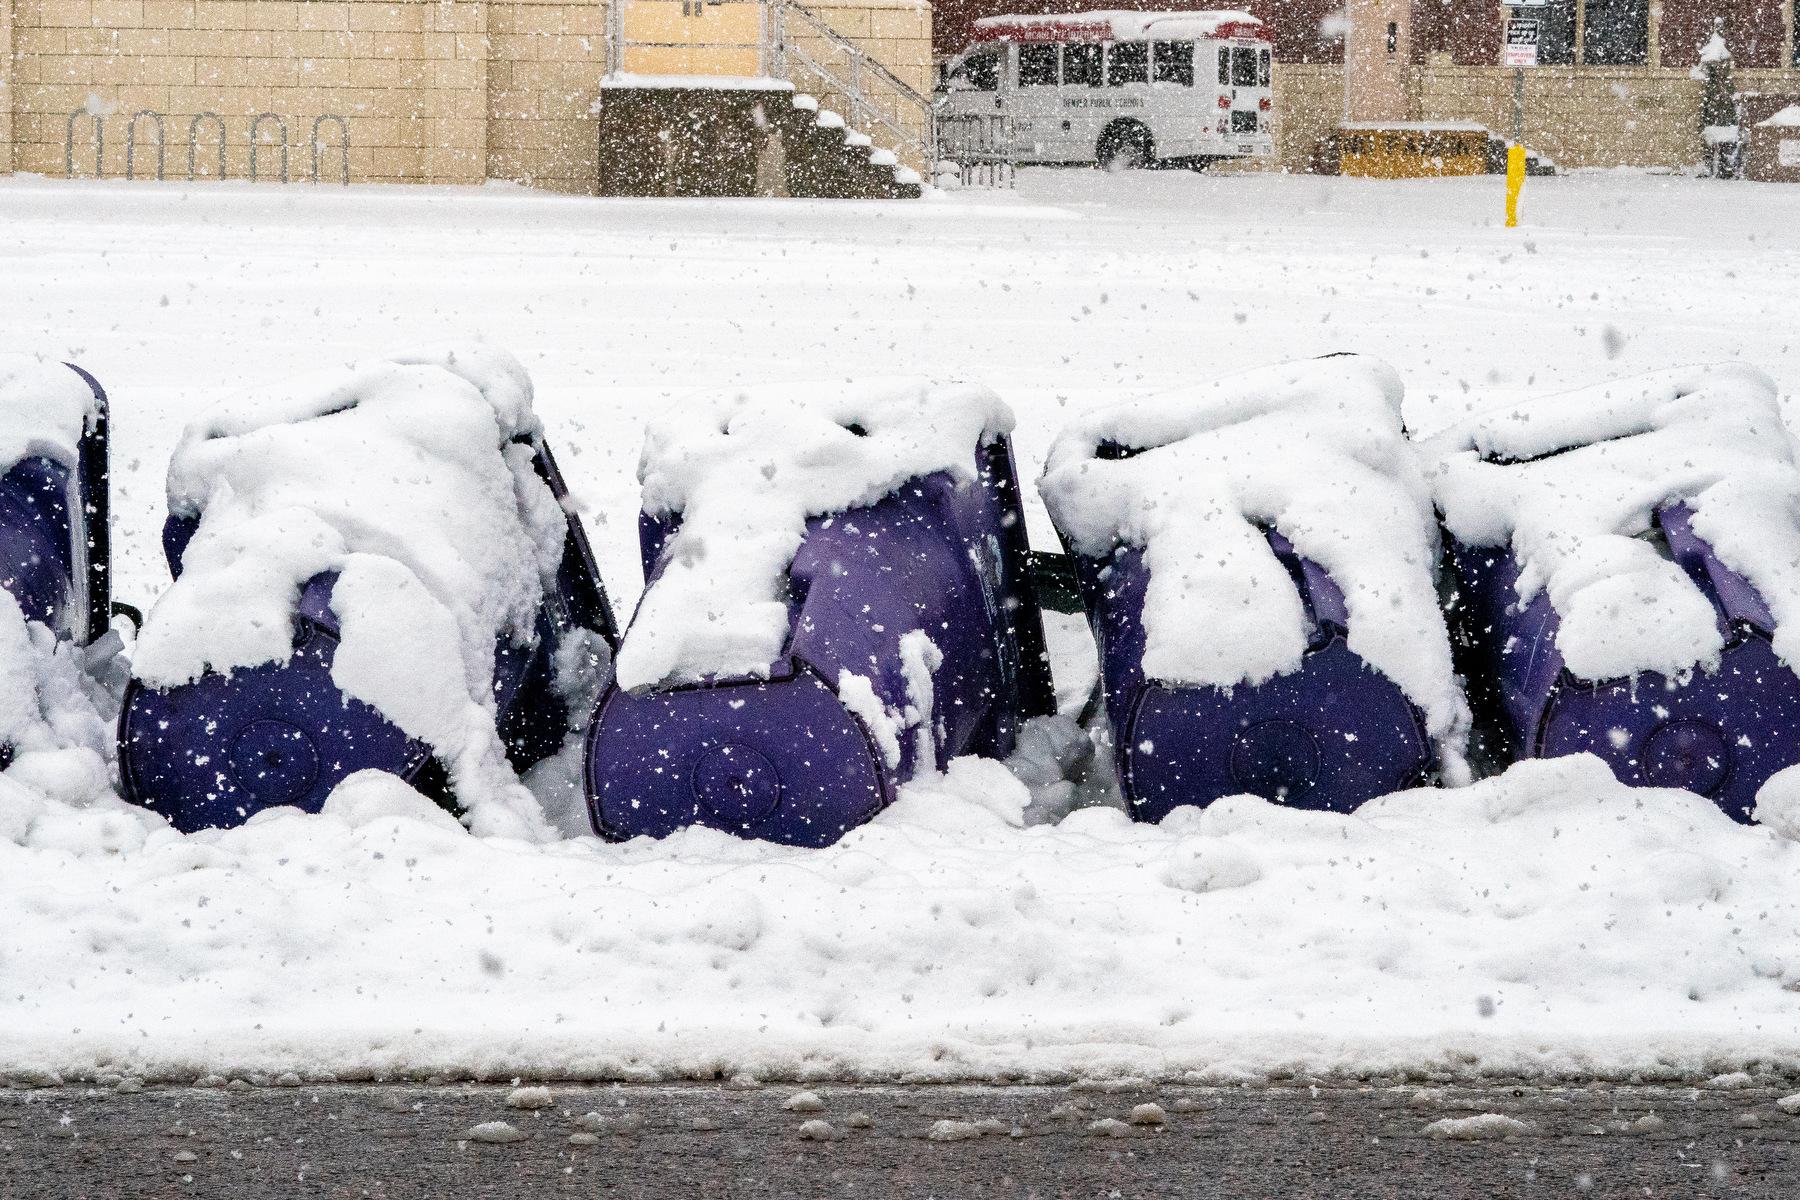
(1518, 106)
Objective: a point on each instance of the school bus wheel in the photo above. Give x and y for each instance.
(1125, 146)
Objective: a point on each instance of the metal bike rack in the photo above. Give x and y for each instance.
(69, 142)
(131, 143)
(256, 144)
(343, 146)
(194, 142)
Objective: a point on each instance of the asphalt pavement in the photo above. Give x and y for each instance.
(896, 1142)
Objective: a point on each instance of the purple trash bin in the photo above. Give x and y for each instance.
(213, 753)
(55, 556)
(1329, 735)
(788, 759)
(1721, 733)
(55, 545)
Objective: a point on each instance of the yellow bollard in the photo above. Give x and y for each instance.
(1515, 180)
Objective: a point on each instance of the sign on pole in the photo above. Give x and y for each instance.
(1521, 48)
(1525, 3)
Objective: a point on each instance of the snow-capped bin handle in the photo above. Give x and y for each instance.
(577, 575)
(1732, 596)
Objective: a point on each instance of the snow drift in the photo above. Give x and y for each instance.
(1550, 921)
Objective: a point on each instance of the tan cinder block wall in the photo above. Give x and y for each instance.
(435, 91)
(1309, 103)
(6, 100)
(1579, 116)
(408, 75)
(543, 91)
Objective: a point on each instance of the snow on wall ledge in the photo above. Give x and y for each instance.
(1574, 480)
(1315, 449)
(402, 477)
(745, 470)
(1549, 921)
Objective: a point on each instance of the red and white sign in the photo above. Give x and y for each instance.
(1521, 49)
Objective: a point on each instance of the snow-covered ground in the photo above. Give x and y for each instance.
(1546, 920)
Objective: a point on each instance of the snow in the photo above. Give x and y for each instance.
(403, 477)
(1315, 449)
(1573, 480)
(44, 406)
(943, 941)
(979, 928)
(1418, 126)
(1787, 118)
(745, 470)
(1483, 1125)
(1119, 26)
(717, 83)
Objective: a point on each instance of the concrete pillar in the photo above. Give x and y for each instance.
(1378, 71)
(1656, 13)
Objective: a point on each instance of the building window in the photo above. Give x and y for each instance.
(1556, 33)
(1616, 33)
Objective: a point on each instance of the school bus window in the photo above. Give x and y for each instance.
(979, 72)
(1174, 63)
(1127, 62)
(1262, 68)
(1243, 68)
(1037, 65)
(1224, 66)
(1081, 64)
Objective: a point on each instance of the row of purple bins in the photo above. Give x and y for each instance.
(781, 756)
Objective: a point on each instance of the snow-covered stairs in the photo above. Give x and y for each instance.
(827, 159)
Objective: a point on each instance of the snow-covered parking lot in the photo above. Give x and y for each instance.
(1548, 920)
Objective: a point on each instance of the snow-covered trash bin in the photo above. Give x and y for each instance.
(1628, 568)
(837, 601)
(377, 569)
(55, 587)
(1258, 562)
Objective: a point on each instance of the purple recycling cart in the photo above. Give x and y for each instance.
(784, 758)
(1721, 734)
(55, 548)
(55, 555)
(1329, 735)
(213, 753)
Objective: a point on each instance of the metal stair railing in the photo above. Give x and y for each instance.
(874, 94)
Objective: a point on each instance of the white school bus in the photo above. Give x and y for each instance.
(1122, 89)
